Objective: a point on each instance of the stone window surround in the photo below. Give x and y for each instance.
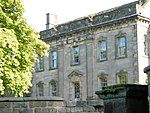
(50, 59)
(100, 39)
(100, 77)
(40, 88)
(75, 77)
(72, 55)
(117, 37)
(119, 77)
(77, 90)
(100, 51)
(40, 64)
(50, 88)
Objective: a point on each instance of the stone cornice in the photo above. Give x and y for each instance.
(46, 35)
(100, 25)
(114, 16)
(143, 19)
(92, 21)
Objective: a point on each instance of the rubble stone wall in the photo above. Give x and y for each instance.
(42, 105)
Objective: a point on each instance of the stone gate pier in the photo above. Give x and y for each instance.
(147, 71)
(125, 98)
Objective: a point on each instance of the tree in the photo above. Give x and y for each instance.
(19, 47)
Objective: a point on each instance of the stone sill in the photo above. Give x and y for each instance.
(53, 68)
(75, 64)
(42, 70)
(120, 57)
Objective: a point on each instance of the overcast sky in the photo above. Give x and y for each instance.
(66, 10)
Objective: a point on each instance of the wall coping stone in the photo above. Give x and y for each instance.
(96, 102)
(23, 99)
(123, 91)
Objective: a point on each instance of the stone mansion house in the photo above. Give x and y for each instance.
(86, 54)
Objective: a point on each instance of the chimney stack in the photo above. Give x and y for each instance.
(47, 21)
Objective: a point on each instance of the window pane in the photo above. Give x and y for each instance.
(122, 42)
(53, 89)
(76, 51)
(103, 82)
(122, 51)
(40, 89)
(121, 46)
(76, 55)
(123, 79)
(103, 50)
(41, 63)
(54, 54)
(103, 46)
(77, 90)
(54, 59)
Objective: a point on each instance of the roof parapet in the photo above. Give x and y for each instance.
(98, 19)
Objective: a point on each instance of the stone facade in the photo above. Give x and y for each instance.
(111, 44)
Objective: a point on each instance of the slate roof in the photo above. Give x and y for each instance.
(102, 18)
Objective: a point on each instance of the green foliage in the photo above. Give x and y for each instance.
(19, 46)
(113, 89)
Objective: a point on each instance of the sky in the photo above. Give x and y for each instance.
(66, 10)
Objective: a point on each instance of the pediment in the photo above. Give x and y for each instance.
(40, 83)
(120, 34)
(103, 75)
(120, 73)
(75, 76)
